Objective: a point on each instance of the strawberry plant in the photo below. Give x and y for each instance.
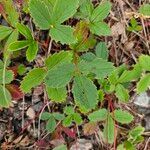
(81, 69)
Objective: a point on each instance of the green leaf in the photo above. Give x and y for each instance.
(85, 93)
(58, 58)
(100, 28)
(11, 14)
(100, 12)
(100, 67)
(128, 76)
(123, 116)
(62, 34)
(32, 51)
(67, 121)
(51, 124)
(109, 133)
(63, 10)
(46, 116)
(58, 116)
(145, 9)
(88, 57)
(33, 79)
(143, 61)
(21, 69)
(4, 32)
(122, 93)
(60, 76)
(57, 95)
(40, 13)
(99, 115)
(101, 50)
(77, 118)
(60, 147)
(144, 83)
(137, 131)
(5, 97)
(9, 76)
(18, 45)
(24, 30)
(69, 110)
(129, 146)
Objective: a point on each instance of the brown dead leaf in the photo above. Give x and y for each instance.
(30, 113)
(90, 128)
(25, 141)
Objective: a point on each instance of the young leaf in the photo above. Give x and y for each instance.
(145, 9)
(40, 13)
(101, 50)
(62, 33)
(99, 115)
(5, 97)
(143, 61)
(57, 94)
(60, 76)
(144, 83)
(109, 133)
(4, 32)
(32, 51)
(122, 93)
(32, 79)
(51, 124)
(45, 116)
(100, 28)
(137, 131)
(85, 93)
(122, 116)
(100, 12)
(57, 59)
(24, 30)
(18, 45)
(69, 110)
(63, 10)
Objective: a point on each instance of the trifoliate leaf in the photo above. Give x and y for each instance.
(122, 116)
(40, 13)
(59, 76)
(4, 32)
(18, 45)
(32, 51)
(99, 115)
(145, 9)
(63, 10)
(100, 12)
(57, 94)
(62, 34)
(100, 28)
(58, 58)
(144, 83)
(5, 97)
(144, 60)
(137, 131)
(33, 79)
(101, 50)
(24, 30)
(109, 133)
(85, 93)
(122, 93)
